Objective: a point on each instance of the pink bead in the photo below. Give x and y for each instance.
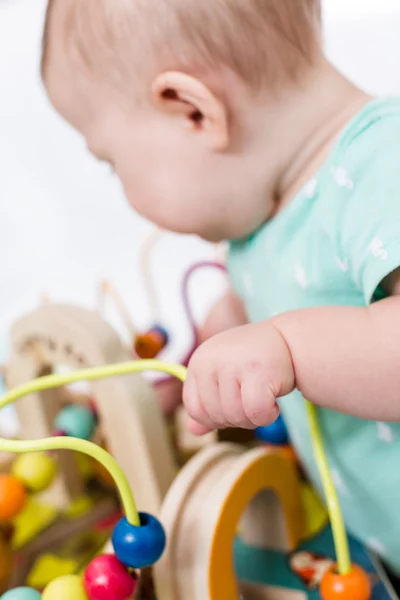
(106, 578)
(58, 433)
(93, 408)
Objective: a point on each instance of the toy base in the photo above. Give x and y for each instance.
(266, 573)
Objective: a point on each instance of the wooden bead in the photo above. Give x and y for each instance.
(289, 452)
(106, 578)
(36, 471)
(150, 344)
(12, 497)
(85, 465)
(162, 332)
(139, 547)
(69, 587)
(22, 593)
(356, 585)
(275, 434)
(76, 421)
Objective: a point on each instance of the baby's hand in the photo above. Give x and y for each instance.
(235, 378)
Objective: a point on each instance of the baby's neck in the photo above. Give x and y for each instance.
(311, 124)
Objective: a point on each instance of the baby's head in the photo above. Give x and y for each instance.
(181, 97)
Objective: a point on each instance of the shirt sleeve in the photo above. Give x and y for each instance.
(369, 201)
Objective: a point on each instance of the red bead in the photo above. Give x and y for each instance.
(106, 578)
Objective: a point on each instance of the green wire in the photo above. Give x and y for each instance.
(331, 497)
(88, 448)
(121, 482)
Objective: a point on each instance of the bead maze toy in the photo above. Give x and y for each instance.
(39, 415)
(219, 532)
(58, 335)
(65, 335)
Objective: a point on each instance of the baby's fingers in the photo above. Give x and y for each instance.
(258, 396)
(194, 405)
(197, 429)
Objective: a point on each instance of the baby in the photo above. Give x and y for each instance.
(223, 118)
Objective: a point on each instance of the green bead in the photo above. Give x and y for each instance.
(22, 593)
(76, 421)
(35, 470)
(69, 587)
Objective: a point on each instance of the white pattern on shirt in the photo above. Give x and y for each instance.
(342, 178)
(377, 249)
(343, 265)
(301, 276)
(340, 485)
(385, 433)
(310, 189)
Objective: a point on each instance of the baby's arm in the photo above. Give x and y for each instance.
(343, 358)
(346, 358)
(228, 312)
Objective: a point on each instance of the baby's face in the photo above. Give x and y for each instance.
(169, 174)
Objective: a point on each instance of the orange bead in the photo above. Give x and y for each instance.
(289, 452)
(12, 497)
(150, 344)
(356, 585)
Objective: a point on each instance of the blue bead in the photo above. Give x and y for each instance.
(76, 421)
(162, 331)
(275, 434)
(22, 593)
(139, 547)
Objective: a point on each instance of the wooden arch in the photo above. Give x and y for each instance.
(132, 423)
(221, 489)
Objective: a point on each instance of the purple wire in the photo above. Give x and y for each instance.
(186, 302)
(188, 307)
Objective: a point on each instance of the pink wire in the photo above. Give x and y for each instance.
(188, 307)
(186, 301)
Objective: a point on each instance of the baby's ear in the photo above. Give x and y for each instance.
(188, 99)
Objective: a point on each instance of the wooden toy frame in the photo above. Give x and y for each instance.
(63, 335)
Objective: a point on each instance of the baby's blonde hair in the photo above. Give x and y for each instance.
(260, 40)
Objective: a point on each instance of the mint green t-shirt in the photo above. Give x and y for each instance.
(333, 245)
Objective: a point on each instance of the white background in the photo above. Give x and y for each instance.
(63, 221)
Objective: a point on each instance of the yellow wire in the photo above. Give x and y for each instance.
(88, 448)
(92, 450)
(332, 501)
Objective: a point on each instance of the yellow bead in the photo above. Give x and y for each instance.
(35, 470)
(69, 587)
(85, 465)
(79, 507)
